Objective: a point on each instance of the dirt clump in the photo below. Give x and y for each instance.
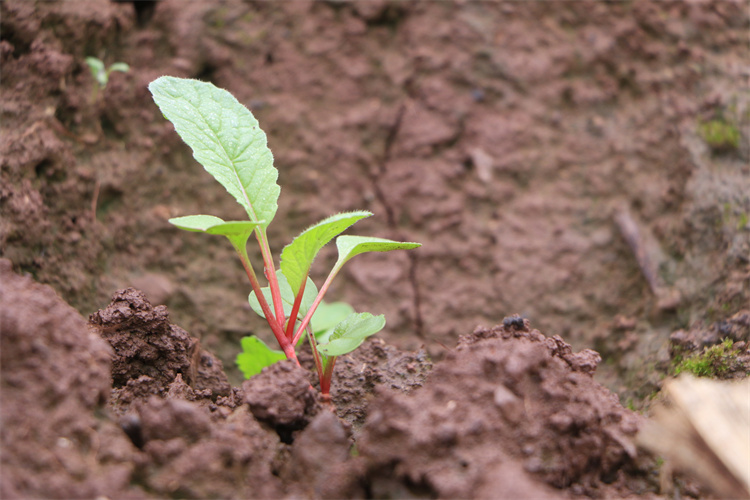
(320, 462)
(189, 455)
(718, 350)
(281, 395)
(374, 364)
(150, 352)
(55, 381)
(736, 328)
(509, 404)
(509, 413)
(166, 419)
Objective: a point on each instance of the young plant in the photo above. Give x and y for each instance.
(101, 74)
(227, 140)
(256, 355)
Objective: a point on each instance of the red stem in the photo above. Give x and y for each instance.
(314, 306)
(325, 380)
(270, 272)
(276, 328)
(295, 311)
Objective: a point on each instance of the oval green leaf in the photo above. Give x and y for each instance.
(196, 223)
(95, 64)
(326, 317)
(119, 66)
(350, 333)
(237, 231)
(214, 225)
(234, 228)
(225, 138)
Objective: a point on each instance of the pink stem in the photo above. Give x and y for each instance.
(276, 328)
(314, 306)
(270, 273)
(295, 310)
(325, 379)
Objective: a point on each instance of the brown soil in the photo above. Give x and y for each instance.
(552, 158)
(508, 406)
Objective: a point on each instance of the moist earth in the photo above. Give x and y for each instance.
(508, 413)
(583, 164)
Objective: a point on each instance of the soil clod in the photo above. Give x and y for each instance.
(281, 396)
(150, 353)
(504, 396)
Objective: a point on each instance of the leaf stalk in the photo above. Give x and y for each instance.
(295, 311)
(276, 328)
(270, 273)
(325, 379)
(315, 304)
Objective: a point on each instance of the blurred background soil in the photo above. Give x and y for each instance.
(583, 164)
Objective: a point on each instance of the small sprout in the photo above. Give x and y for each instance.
(101, 74)
(227, 140)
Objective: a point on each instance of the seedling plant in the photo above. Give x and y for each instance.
(227, 140)
(101, 73)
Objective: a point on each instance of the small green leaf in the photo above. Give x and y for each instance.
(326, 317)
(287, 296)
(225, 138)
(330, 314)
(119, 66)
(214, 225)
(255, 356)
(234, 228)
(95, 64)
(297, 257)
(97, 71)
(237, 232)
(350, 333)
(349, 246)
(196, 223)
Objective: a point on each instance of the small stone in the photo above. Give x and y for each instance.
(510, 405)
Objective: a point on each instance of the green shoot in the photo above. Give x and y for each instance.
(227, 140)
(101, 74)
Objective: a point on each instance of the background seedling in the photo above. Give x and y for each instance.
(101, 74)
(227, 140)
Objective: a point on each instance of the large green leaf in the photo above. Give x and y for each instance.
(255, 356)
(349, 246)
(350, 333)
(287, 296)
(297, 257)
(225, 138)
